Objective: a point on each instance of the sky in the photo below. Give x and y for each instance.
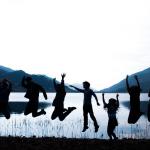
(94, 40)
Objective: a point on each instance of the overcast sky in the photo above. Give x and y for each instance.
(100, 41)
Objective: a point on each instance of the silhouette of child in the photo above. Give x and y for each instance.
(134, 92)
(112, 108)
(58, 102)
(87, 105)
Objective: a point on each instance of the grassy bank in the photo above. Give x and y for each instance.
(17, 143)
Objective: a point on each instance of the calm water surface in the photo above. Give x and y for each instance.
(71, 127)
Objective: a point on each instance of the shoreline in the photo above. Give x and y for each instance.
(45, 143)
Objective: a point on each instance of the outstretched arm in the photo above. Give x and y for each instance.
(127, 84)
(105, 104)
(80, 90)
(96, 99)
(136, 78)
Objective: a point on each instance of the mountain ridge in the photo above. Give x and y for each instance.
(120, 87)
(15, 76)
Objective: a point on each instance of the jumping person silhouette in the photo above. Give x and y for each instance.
(5, 89)
(87, 105)
(33, 90)
(58, 102)
(134, 92)
(112, 108)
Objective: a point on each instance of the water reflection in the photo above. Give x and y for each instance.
(43, 126)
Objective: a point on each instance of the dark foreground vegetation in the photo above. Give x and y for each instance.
(18, 143)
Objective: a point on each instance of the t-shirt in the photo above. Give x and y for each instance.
(87, 96)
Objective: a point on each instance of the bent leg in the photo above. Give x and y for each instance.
(110, 129)
(63, 115)
(55, 114)
(33, 108)
(6, 113)
(135, 112)
(27, 109)
(35, 112)
(134, 116)
(4, 109)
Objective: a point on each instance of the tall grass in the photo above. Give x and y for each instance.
(69, 129)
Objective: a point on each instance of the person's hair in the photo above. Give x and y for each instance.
(86, 83)
(112, 102)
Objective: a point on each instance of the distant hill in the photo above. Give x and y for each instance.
(144, 79)
(16, 77)
(5, 70)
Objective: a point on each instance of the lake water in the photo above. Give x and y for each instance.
(71, 127)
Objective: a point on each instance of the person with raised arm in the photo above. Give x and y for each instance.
(112, 108)
(87, 105)
(134, 92)
(58, 102)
